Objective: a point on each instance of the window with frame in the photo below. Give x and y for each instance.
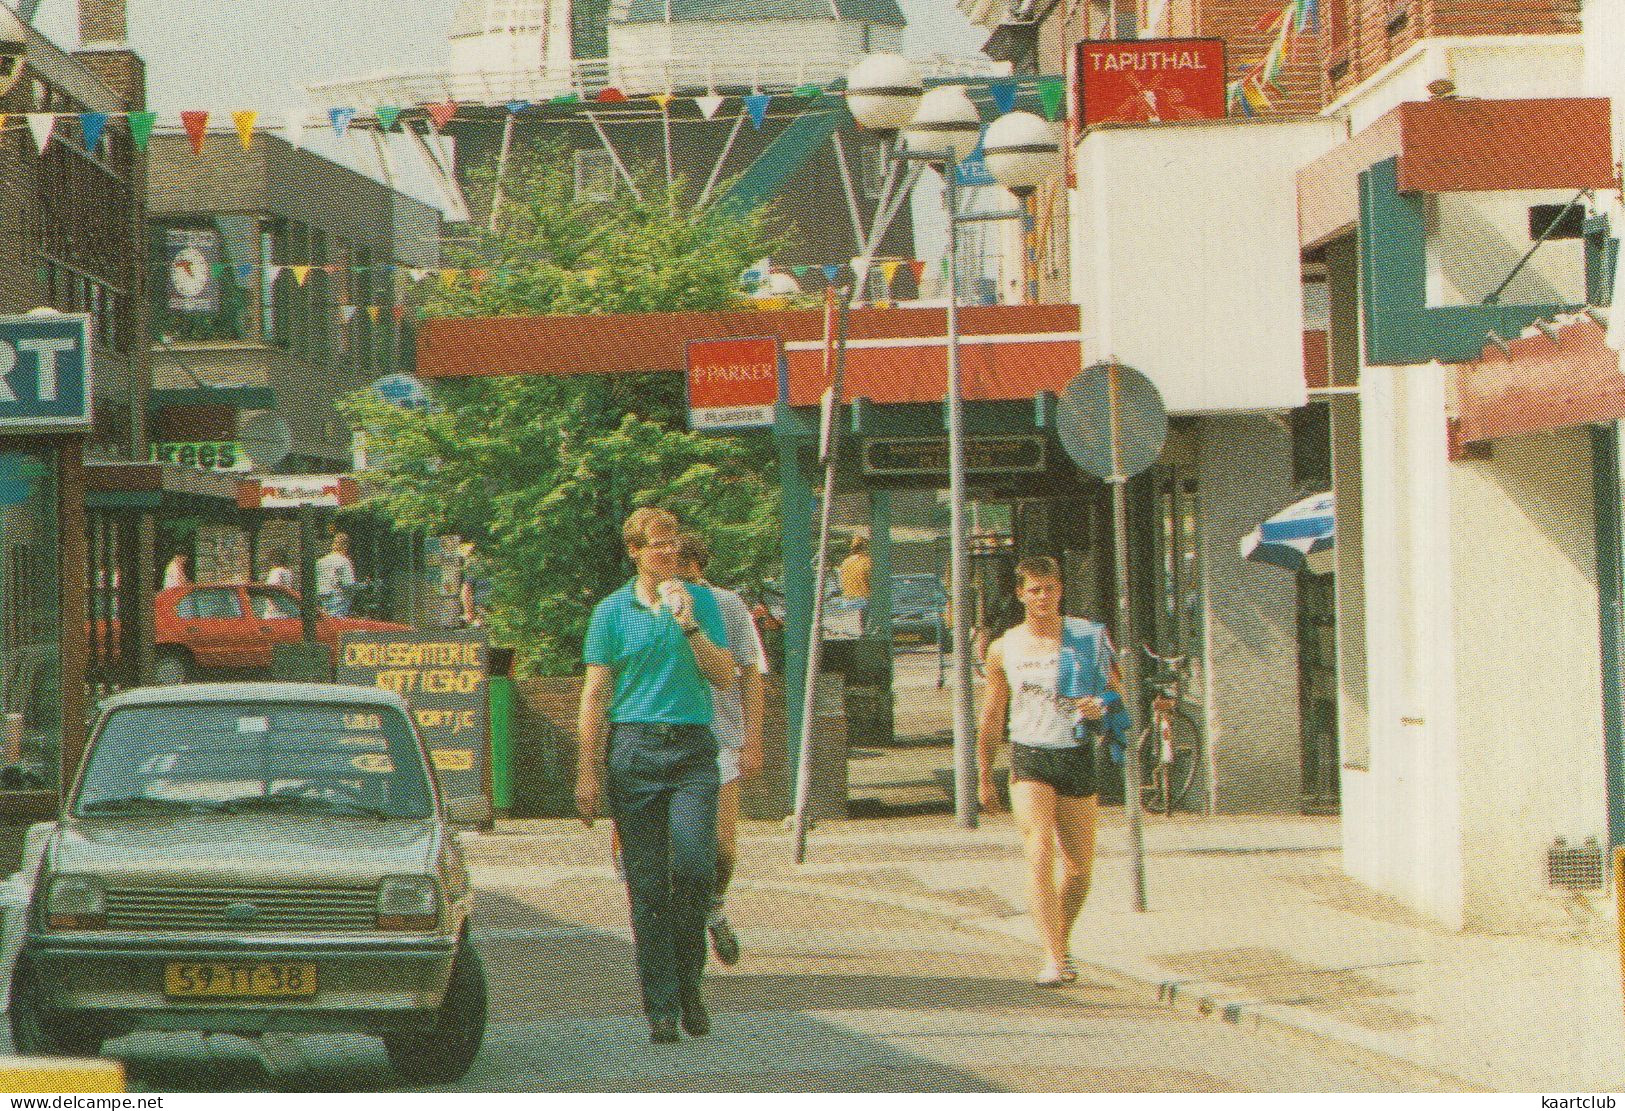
(594, 176)
(30, 623)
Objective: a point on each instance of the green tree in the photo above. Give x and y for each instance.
(540, 472)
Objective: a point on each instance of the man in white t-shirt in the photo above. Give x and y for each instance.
(737, 723)
(335, 577)
(1052, 771)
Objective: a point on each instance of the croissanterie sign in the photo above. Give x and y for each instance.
(732, 383)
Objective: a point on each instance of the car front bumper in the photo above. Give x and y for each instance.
(368, 983)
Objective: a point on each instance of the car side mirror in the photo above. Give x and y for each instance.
(470, 811)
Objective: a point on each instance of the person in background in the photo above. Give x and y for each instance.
(655, 649)
(476, 589)
(855, 570)
(335, 577)
(281, 572)
(737, 723)
(177, 573)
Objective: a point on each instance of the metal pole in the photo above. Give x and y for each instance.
(1129, 659)
(815, 640)
(965, 801)
(307, 572)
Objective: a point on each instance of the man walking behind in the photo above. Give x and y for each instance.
(738, 728)
(1048, 672)
(654, 650)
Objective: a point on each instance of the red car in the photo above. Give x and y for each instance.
(236, 625)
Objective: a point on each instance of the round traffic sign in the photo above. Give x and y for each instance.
(1083, 420)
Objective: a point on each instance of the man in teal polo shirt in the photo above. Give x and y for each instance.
(655, 649)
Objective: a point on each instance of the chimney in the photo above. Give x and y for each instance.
(102, 24)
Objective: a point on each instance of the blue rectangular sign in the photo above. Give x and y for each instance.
(45, 371)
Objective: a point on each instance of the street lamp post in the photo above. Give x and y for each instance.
(942, 128)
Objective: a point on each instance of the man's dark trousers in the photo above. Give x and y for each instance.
(663, 795)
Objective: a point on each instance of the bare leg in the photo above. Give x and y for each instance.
(727, 826)
(1034, 805)
(1075, 835)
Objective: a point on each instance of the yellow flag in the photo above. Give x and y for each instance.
(889, 269)
(300, 273)
(662, 99)
(448, 278)
(372, 313)
(244, 119)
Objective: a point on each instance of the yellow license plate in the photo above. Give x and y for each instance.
(211, 980)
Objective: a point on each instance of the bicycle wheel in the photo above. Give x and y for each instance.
(1187, 757)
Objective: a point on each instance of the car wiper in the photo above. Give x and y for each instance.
(129, 803)
(297, 802)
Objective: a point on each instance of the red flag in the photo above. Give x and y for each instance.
(440, 114)
(476, 278)
(917, 268)
(611, 96)
(197, 128)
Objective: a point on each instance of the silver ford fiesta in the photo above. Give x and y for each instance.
(255, 857)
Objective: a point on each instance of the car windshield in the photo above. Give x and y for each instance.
(917, 594)
(254, 755)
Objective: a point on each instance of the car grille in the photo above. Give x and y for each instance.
(276, 909)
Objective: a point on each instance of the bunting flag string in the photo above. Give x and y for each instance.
(1249, 92)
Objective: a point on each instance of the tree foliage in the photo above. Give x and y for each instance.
(541, 472)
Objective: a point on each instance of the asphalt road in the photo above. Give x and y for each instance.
(856, 977)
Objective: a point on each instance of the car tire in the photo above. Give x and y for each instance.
(171, 666)
(445, 1054)
(40, 1033)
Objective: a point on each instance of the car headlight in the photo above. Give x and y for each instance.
(75, 903)
(408, 903)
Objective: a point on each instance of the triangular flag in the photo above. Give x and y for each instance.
(387, 115)
(347, 312)
(566, 98)
(477, 278)
(294, 130)
(809, 92)
(245, 271)
(517, 106)
(416, 274)
(41, 124)
(219, 269)
(448, 277)
(272, 273)
(756, 104)
(332, 268)
(372, 313)
(799, 271)
(141, 128)
(1004, 96)
(831, 273)
(662, 99)
(917, 268)
(397, 312)
(1051, 91)
(860, 271)
(340, 119)
(197, 128)
(889, 269)
(300, 273)
(708, 105)
(440, 114)
(91, 126)
(245, 120)
(611, 95)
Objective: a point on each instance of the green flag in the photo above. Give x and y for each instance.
(141, 127)
(1051, 90)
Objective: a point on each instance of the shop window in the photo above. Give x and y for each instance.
(30, 624)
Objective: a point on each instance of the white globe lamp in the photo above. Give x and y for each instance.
(947, 120)
(883, 91)
(1022, 151)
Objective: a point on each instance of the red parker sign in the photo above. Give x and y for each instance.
(732, 383)
(1150, 81)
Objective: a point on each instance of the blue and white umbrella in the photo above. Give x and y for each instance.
(1298, 538)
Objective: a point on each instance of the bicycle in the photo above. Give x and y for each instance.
(1169, 765)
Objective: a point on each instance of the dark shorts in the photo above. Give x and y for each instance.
(1071, 771)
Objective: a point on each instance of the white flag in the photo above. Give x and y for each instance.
(42, 124)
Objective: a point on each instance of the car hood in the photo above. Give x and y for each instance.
(245, 849)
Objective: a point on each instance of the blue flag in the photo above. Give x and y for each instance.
(1004, 96)
(91, 126)
(341, 118)
(756, 104)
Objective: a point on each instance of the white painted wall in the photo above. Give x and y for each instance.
(1528, 671)
(1488, 66)
(1185, 257)
(1402, 815)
